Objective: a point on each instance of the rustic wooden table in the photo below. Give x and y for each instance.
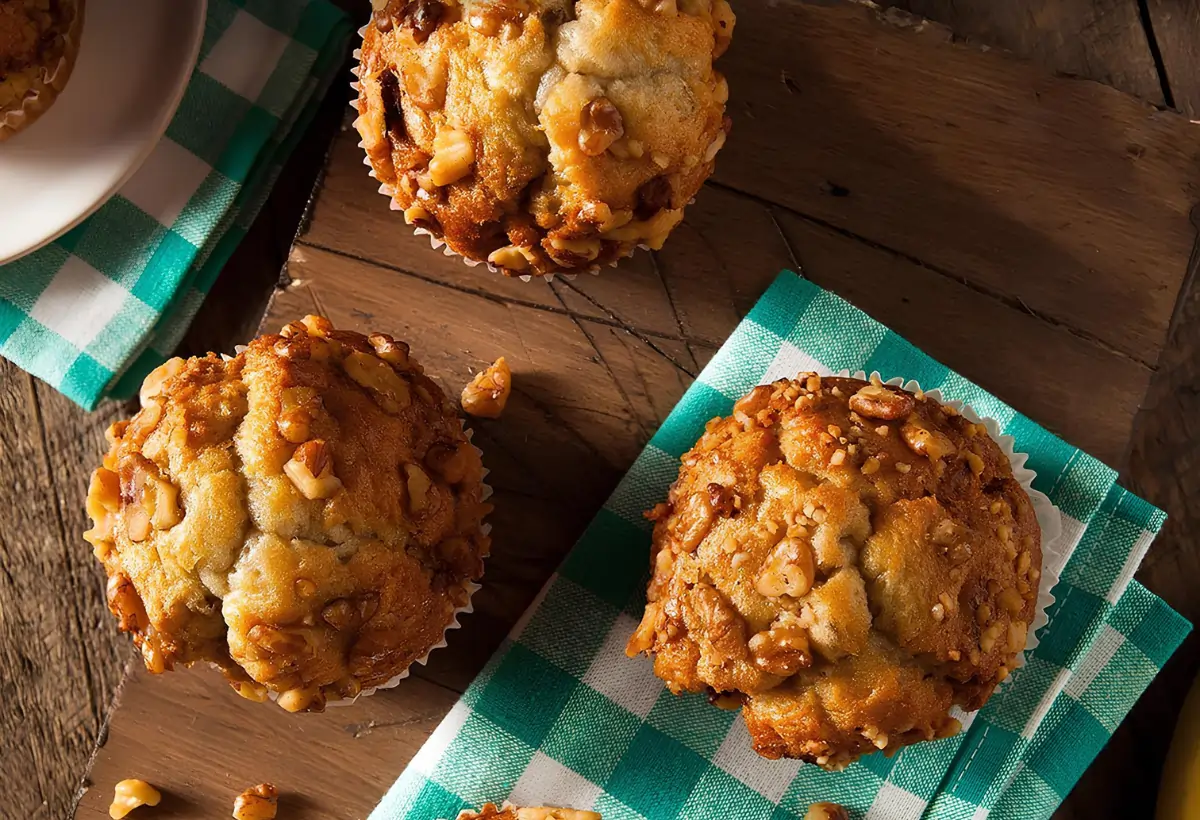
(1028, 229)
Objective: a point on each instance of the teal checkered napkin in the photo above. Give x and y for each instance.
(96, 310)
(561, 716)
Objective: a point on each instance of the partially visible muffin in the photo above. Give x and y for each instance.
(489, 811)
(306, 515)
(39, 40)
(543, 136)
(847, 561)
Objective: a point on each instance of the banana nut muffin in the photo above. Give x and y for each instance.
(846, 560)
(306, 515)
(489, 811)
(543, 135)
(39, 40)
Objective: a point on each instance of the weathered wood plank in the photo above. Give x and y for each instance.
(1034, 187)
(1176, 26)
(56, 642)
(1100, 40)
(321, 777)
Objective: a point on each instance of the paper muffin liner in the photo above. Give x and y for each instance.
(1054, 546)
(53, 81)
(437, 243)
(471, 588)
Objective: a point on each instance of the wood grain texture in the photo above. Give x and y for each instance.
(1176, 27)
(986, 169)
(1099, 39)
(1028, 230)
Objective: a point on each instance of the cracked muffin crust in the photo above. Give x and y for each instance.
(306, 515)
(543, 136)
(489, 811)
(39, 40)
(845, 561)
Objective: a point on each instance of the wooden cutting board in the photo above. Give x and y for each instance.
(1030, 231)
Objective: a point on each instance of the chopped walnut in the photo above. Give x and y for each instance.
(826, 811)
(311, 470)
(932, 444)
(129, 794)
(789, 570)
(875, 401)
(600, 126)
(256, 803)
(453, 156)
(781, 650)
(488, 392)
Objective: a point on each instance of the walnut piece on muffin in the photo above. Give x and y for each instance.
(489, 811)
(306, 515)
(845, 559)
(39, 40)
(543, 136)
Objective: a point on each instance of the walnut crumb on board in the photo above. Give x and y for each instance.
(488, 392)
(129, 794)
(256, 803)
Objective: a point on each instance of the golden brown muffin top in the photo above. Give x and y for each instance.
(31, 43)
(307, 515)
(489, 811)
(848, 560)
(544, 135)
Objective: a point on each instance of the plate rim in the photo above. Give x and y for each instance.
(200, 9)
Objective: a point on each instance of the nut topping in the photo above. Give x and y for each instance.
(600, 125)
(781, 650)
(789, 570)
(418, 487)
(724, 501)
(929, 443)
(877, 401)
(453, 156)
(311, 470)
(390, 391)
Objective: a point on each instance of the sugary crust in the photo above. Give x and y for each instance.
(32, 76)
(306, 515)
(845, 559)
(543, 136)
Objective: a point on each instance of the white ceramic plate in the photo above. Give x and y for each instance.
(134, 62)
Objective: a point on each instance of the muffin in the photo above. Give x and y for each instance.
(306, 515)
(845, 561)
(510, 812)
(39, 40)
(543, 136)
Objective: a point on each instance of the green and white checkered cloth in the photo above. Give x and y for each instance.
(96, 310)
(561, 716)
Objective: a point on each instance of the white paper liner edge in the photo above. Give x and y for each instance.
(1054, 552)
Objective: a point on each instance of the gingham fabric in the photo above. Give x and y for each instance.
(561, 716)
(96, 310)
